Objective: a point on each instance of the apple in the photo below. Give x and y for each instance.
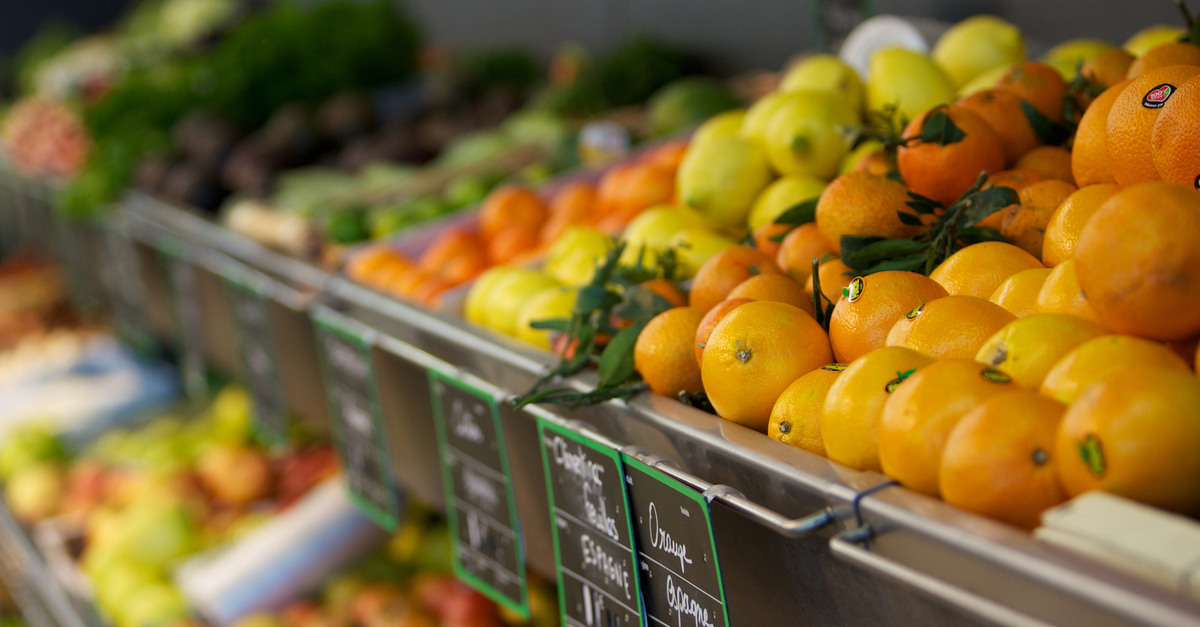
(235, 475)
(35, 490)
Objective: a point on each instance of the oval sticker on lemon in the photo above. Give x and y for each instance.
(1157, 97)
(855, 289)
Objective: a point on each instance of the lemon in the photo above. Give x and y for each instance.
(783, 194)
(651, 231)
(1027, 348)
(476, 303)
(977, 44)
(907, 79)
(754, 124)
(509, 294)
(728, 123)
(1069, 55)
(696, 245)
(983, 80)
(721, 177)
(573, 257)
(864, 150)
(549, 304)
(1151, 37)
(803, 135)
(826, 73)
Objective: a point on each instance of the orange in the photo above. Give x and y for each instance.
(1138, 262)
(798, 248)
(429, 291)
(1001, 109)
(872, 304)
(668, 290)
(1061, 293)
(511, 244)
(714, 315)
(835, 277)
(1017, 180)
(510, 206)
(725, 271)
(754, 353)
(1053, 162)
(1041, 85)
(1135, 433)
(575, 203)
(464, 267)
(1062, 231)
(1107, 68)
(850, 416)
(943, 173)
(796, 417)
(374, 263)
(663, 352)
(764, 238)
(628, 189)
(1175, 141)
(1165, 55)
(998, 460)
(978, 269)
(1097, 357)
(667, 155)
(1089, 153)
(949, 327)
(1027, 348)
(448, 245)
(1130, 125)
(1019, 292)
(774, 287)
(861, 203)
(920, 414)
(1024, 224)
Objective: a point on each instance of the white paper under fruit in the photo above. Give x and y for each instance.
(286, 557)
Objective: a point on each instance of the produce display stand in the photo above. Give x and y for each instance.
(800, 539)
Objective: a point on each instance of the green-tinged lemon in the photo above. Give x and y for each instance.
(696, 245)
(721, 177)
(728, 123)
(648, 234)
(864, 150)
(804, 135)
(826, 73)
(983, 80)
(909, 80)
(754, 124)
(783, 194)
(573, 257)
(478, 297)
(509, 294)
(1069, 55)
(1154, 36)
(977, 44)
(550, 304)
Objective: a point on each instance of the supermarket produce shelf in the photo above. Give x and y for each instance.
(41, 600)
(879, 554)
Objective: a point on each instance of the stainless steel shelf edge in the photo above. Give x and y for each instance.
(23, 570)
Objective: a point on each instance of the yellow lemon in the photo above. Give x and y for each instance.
(721, 177)
(826, 73)
(548, 304)
(783, 194)
(803, 135)
(694, 246)
(728, 123)
(977, 44)
(909, 80)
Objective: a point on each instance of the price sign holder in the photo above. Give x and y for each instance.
(184, 292)
(127, 292)
(357, 419)
(594, 553)
(489, 551)
(677, 555)
(250, 307)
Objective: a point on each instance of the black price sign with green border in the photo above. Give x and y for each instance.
(189, 320)
(593, 540)
(357, 419)
(488, 549)
(127, 293)
(251, 309)
(677, 557)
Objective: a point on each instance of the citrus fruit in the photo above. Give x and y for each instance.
(834, 275)
(949, 327)
(1089, 153)
(573, 257)
(854, 404)
(1164, 55)
(1019, 291)
(629, 188)
(1024, 223)
(669, 291)
(649, 234)
(509, 294)
(479, 297)
(797, 250)
(863, 204)
(1131, 119)
(984, 80)
(998, 460)
(555, 303)
(1107, 68)
(978, 269)
(1001, 109)
(694, 246)
(868, 155)
(725, 271)
(511, 206)
(920, 414)
(909, 80)
(575, 203)
(721, 177)
(944, 172)
(727, 123)
(796, 416)
(803, 134)
(862, 318)
(1150, 37)
(1027, 348)
(1175, 141)
(710, 320)
(754, 123)
(1038, 84)
(825, 73)
(783, 194)
(1061, 293)
(768, 237)
(1062, 231)
(1053, 162)
(663, 352)
(1097, 357)
(1141, 268)
(754, 353)
(977, 44)
(1134, 433)
(774, 287)
(1067, 57)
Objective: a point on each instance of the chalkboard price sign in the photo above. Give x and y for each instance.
(250, 307)
(351, 386)
(598, 583)
(678, 568)
(480, 505)
(185, 301)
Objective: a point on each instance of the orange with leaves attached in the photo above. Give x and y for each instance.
(943, 171)
(863, 204)
(1001, 109)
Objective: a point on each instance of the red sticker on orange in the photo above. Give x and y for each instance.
(1157, 97)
